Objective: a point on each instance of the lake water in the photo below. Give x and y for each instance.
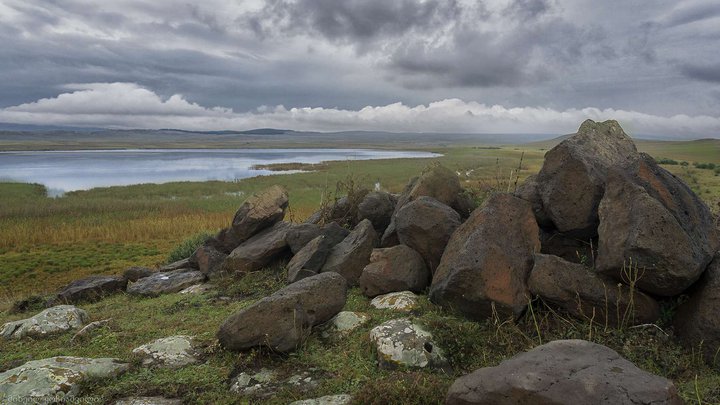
(63, 171)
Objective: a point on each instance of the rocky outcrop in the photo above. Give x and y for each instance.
(349, 257)
(377, 207)
(282, 320)
(259, 251)
(426, 225)
(401, 342)
(563, 372)
(165, 282)
(394, 269)
(51, 321)
(488, 260)
(697, 322)
(579, 291)
(654, 226)
(572, 179)
(90, 289)
(170, 352)
(57, 378)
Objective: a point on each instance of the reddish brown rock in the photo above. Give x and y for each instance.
(394, 269)
(349, 257)
(259, 251)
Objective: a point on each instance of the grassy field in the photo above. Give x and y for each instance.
(44, 243)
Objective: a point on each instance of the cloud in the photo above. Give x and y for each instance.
(127, 105)
(706, 73)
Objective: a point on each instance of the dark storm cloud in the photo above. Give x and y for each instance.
(706, 73)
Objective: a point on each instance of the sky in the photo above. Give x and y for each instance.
(496, 66)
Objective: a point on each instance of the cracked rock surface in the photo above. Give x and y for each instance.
(173, 352)
(400, 342)
(51, 321)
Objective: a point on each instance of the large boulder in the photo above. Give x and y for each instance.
(311, 258)
(572, 179)
(282, 320)
(259, 251)
(300, 235)
(401, 342)
(378, 207)
(426, 225)
(260, 211)
(209, 260)
(90, 288)
(165, 282)
(563, 372)
(56, 379)
(349, 257)
(654, 231)
(398, 268)
(697, 322)
(578, 290)
(51, 321)
(529, 191)
(487, 262)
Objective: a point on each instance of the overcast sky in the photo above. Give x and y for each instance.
(531, 66)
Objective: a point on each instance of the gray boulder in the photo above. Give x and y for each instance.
(653, 226)
(563, 372)
(165, 282)
(259, 251)
(697, 322)
(578, 290)
(282, 320)
(401, 342)
(426, 225)
(572, 179)
(55, 379)
(90, 289)
(349, 257)
(135, 273)
(398, 268)
(51, 321)
(488, 260)
(301, 234)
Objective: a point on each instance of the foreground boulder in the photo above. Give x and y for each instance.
(697, 322)
(51, 321)
(400, 342)
(282, 320)
(426, 225)
(563, 372)
(171, 352)
(579, 291)
(165, 282)
(572, 179)
(488, 260)
(398, 268)
(259, 251)
(90, 289)
(655, 229)
(349, 257)
(55, 379)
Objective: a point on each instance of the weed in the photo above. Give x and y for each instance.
(187, 247)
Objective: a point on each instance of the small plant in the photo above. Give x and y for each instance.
(187, 247)
(666, 161)
(630, 275)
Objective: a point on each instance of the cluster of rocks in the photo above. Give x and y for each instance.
(602, 230)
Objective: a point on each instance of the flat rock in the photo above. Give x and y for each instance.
(165, 282)
(400, 342)
(342, 399)
(171, 352)
(135, 273)
(90, 289)
(265, 382)
(259, 251)
(185, 263)
(58, 319)
(426, 225)
(253, 381)
(697, 322)
(580, 291)
(89, 329)
(198, 289)
(343, 323)
(55, 378)
(403, 301)
(282, 320)
(563, 372)
(398, 268)
(148, 401)
(486, 264)
(349, 257)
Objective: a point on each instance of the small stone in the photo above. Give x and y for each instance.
(343, 323)
(342, 399)
(198, 289)
(89, 328)
(249, 383)
(172, 352)
(404, 301)
(148, 401)
(400, 342)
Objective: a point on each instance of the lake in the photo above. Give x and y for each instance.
(63, 171)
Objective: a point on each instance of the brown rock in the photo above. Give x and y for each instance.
(398, 268)
(578, 290)
(350, 256)
(377, 207)
(488, 259)
(92, 288)
(259, 251)
(563, 372)
(311, 258)
(136, 273)
(209, 260)
(282, 320)
(425, 225)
